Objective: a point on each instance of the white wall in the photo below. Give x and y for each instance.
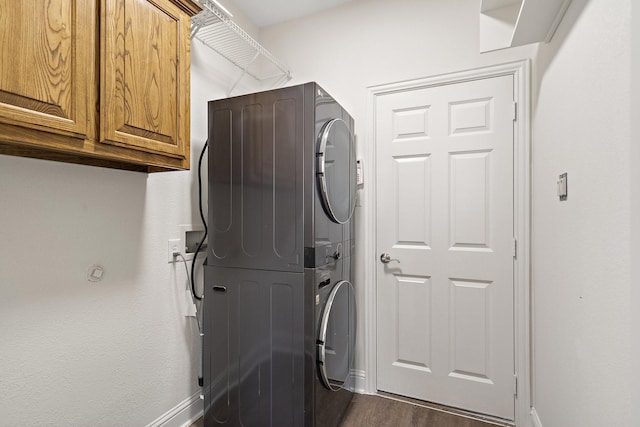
(580, 248)
(635, 198)
(370, 42)
(118, 352)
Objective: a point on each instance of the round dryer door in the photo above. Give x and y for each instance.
(337, 170)
(337, 339)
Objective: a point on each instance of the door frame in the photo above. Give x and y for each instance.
(520, 70)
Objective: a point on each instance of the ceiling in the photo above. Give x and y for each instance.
(269, 12)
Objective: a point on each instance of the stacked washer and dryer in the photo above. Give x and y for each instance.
(279, 307)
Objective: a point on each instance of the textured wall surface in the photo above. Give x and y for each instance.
(635, 199)
(581, 247)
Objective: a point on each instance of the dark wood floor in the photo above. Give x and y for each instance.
(369, 411)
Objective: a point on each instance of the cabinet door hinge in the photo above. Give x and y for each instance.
(514, 111)
(515, 385)
(515, 249)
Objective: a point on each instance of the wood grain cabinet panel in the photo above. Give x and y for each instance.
(144, 72)
(43, 66)
(98, 82)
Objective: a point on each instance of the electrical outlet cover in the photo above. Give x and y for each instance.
(173, 245)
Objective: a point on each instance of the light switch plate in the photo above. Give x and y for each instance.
(562, 187)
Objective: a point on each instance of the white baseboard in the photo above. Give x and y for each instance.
(360, 382)
(183, 414)
(535, 420)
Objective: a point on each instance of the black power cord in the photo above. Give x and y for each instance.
(204, 222)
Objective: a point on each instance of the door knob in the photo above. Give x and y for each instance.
(386, 258)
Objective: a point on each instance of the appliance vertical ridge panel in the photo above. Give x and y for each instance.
(254, 333)
(256, 193)
(252, 180)
(287, 197)
(221, 182)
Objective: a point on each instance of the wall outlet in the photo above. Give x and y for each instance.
(173, 246)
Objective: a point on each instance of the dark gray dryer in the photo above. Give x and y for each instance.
(279, 306)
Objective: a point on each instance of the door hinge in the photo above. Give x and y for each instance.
(515, 249)
(515, 385)
(515, 111)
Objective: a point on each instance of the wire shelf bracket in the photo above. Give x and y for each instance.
(215, 29)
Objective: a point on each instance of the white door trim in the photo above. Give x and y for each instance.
(520, 71)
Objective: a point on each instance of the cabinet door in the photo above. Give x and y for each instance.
(144, 79)
(44, 64)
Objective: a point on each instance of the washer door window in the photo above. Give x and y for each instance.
(337, 170)
(337, 340)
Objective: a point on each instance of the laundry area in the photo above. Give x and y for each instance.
(319, 213)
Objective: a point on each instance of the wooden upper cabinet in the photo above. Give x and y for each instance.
(43, 64)
(144, 90)
(100, 82)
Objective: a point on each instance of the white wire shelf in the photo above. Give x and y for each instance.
(215, 29)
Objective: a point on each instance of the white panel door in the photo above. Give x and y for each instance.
(445, 218)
